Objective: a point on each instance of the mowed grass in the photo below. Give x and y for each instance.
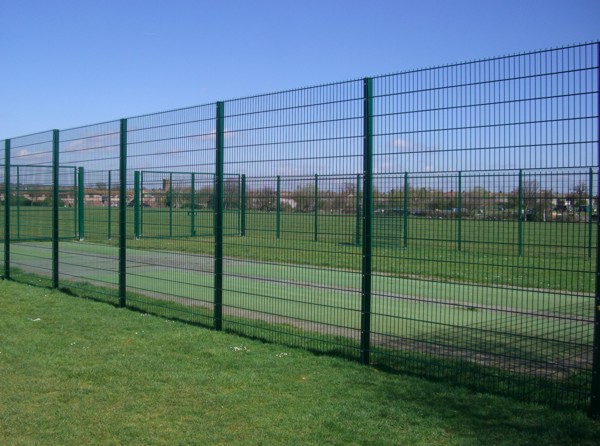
(80, 372)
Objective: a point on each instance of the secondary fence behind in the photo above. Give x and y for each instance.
(440, 222)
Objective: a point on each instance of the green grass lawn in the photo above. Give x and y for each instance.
(77, 372)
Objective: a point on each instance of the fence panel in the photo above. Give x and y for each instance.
(31, 189)
(89, 176)
(287, 280)
(500, 286)
(442, 222)
(170, 263)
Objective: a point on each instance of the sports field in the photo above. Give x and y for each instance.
(409, 312)
(513, 295)
(545, 255)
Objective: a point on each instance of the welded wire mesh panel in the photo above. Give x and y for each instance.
(496, 273)
(293, 277)
(170, 174)
(89, 180)
(442, 222)
(97, 201)
(31, 192)
(260, 207)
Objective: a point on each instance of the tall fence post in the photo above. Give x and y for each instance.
(193, 205)
(109, 205)
(459, 206)
(136, 205)
(81, 203)
(123, 213)
(405, 213)
(7, 209)
(218, 217)
(55, 198)
(243, 206)
(316, 226)
(18, 201)
(142, 209)
(590, 209)
(357, 235)
(278, 209)
(170, 204)
(595, 390)
(239, 204)
(365, 334)
(520, 232)
(75, 203)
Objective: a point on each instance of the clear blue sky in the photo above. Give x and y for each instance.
(71, 63)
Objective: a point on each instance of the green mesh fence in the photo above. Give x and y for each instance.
(440, 222)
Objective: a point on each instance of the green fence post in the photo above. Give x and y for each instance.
(75, 203)
(170, 204)
(123, 213)
(218, 217)
(239, 204)
(136, 204)
(520, 235)
(365, 333)
(81, 206)
(405, 213)
(590, 209)
(316, 228)
(357, 235)
(193, 205)
(594, 410)
(243, 206)
(278, 209)
(459, 205)
(55, 197)
(18, 196)
(142, 209)
(7, 209)
(109, 205)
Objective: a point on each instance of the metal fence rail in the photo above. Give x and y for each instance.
(440, 222)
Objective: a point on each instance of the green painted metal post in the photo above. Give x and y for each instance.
(243, 206)
(218, 216)
(109, 205)
(170, 204)
(75, 203)
(357, 235)
(590, 209)
(136, 204)
(142, 210)
(278, 209)
(7, 209)
(55, 195)
(239, 204)
(123, 213)
(193, 205)
(365, 334)
(405, 212)
(594, 409)
(316, 225)
(520, 235)
(18, 196)
(459, 204)
(81, 205)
